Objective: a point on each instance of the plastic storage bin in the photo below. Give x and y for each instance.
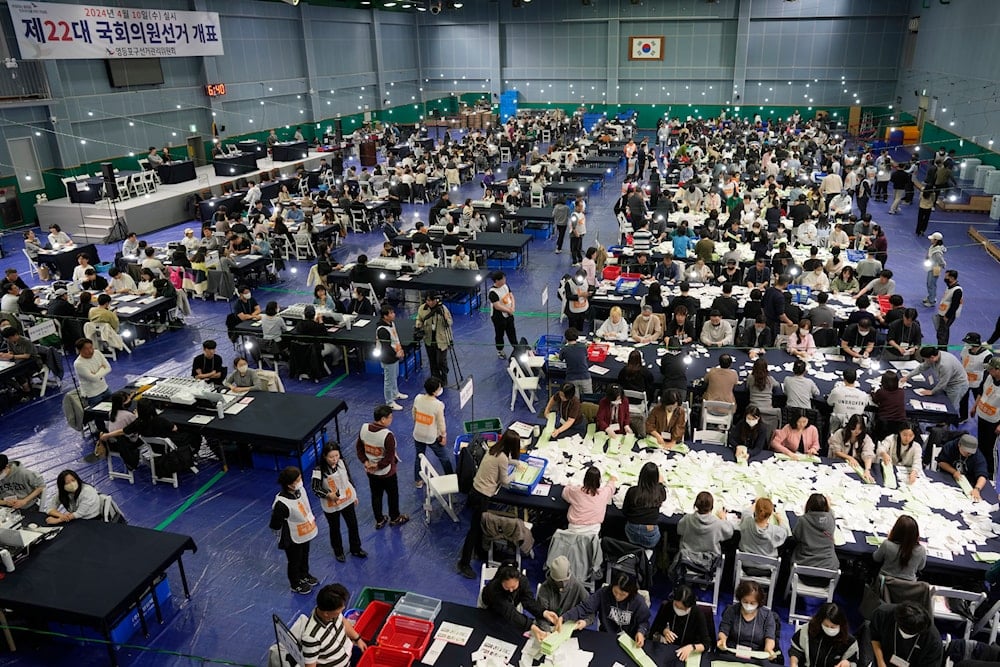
(611, 272)
(414, 605)
(525, 487)
(597, 352)
(369, 593)
(464, 439)
(628, 283)
(549, 344)
(371, 619)
(407, 635)
(383, 656)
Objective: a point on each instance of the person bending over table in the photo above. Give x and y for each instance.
(75, 498)
(679, 622)
(641, 507)
(702, 532)
(242, 379)
(962, 457)
(904, 634)
(667, 421)
(798, 435)
(902, 449)
(20, 487)
(859, 340)
(567, 406)
(588, 503)
(327, 637)
(813, 533)
(561, 591)
(760, 535)
(825, 641)
(618, 607)
(953, 381)
(749, 433)
(747, 625)
(509, 589)
(853, 442)
(613, 413)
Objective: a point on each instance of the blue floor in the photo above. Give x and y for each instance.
(237, 575)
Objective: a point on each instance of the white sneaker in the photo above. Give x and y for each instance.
(395, 406)
(402, 397)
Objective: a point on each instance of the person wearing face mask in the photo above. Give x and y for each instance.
(20, 487)
(292, 516)
(825, 642)
(851, 443)
(74, 499)
(749, 434)
(331, 481)
(747, 625)
(647, 328)
(680, 623)
(560, 591)
(243, 378)
(246, 307)
(429, 428)
(717, 332)
(509, 590)
(612, 413)
(904, 634)
(618, 608)
(962, 458)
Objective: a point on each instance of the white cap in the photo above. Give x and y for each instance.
(936, 236)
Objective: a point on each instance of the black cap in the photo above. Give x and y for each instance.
(973, 338)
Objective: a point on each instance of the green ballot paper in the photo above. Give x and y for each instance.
(889, 476)
(965, 485)
(556, 639)
(639, 656)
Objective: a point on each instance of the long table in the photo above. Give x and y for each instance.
(463, 281)
(289, 151)
(85, 190)
(64, 259)
(235, 164)
(93, 573)
(178, 171)
(208, 207)
(576, 189)
(587, 173)
(492, 242)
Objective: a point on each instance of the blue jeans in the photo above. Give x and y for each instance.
(638, 535)
(103, 396)
(932, 281)
(439, 451)
(390, 376)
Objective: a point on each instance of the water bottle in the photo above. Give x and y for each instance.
(8, 562)
(219, 410)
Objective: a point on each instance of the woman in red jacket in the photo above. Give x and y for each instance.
(612, 412)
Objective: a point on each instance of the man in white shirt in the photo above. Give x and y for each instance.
(253, 195)
(91, 368)
(189, 241)
(120, 282)
(846, 399)
(717, 332)
(9, 300)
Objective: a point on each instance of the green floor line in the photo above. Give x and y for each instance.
(322, 392)
(190, 501)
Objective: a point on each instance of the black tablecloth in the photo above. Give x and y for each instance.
(445, 280)
(176, 172)
(586, 173)
(269, 189)
(253, 147)
(92, 572)
(289, 151)
(529, 214)
(85, 191)
(235, 165)
(65, 259)
(571, 188)
(605, 160)
(232, 202)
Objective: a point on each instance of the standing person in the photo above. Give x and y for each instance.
(502, 308)
(577, 295)
(376, 448)
(331, 481)
(925, 207)
(91, 368)
(825, 642)
(434, 318)
(577, 230)
(899, 178)
(935, 264)
(292, 516)
(949, 308)
(574, 355)
(560, 216)
(490, 477)
(327, 636)
(975, 358)
(987, 409)
(429, 428)
(390, 352)
(952, 380)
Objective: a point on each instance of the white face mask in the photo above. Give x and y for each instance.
(440, 390)
(297, 486)
(72, 487)
(907, 635)
(749, 607)
(678, 611)
(246, 295)
(831, 632)
(242, 368)
(752, 422)
(803, 331)
(3, 474)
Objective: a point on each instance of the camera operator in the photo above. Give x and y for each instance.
(434, 320)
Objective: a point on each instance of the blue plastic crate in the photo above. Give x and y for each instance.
(278, 462)
(549, 344)
(527, 488)
(538, 232)
(627, 285)
(502, 264)
(800, 293)
(127, 627)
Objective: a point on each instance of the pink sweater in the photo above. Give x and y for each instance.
(585, 509)
(786, 441)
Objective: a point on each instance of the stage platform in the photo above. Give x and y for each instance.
(90, 223)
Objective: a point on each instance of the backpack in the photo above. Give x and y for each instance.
(468, 462)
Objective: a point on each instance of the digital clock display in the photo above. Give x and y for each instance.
(215, 89)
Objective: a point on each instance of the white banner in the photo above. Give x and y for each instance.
(47, 31)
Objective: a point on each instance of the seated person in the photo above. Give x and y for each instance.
(324, 302)
(243, 379)
(92, 281)
(20, 487)
(905, 633)
(15, 348)
(762, 532)
(747, 622)
(647, 327)
(726, 304)
(800, 343)
(58, 238)
(360, 304)
(717, 332)
(565, 404)
(667, 420)
(246, 307)
(74, 499)
(152, 263)
(508, 590)
(636, 377)
(902, 449)
(901, 554)
(461, 260)
(103, 314)
(758, 335)
(145, 286)
(851, 443)
(311, 329)
(721, 380)
(615, 327)
(423, 257)
(703, 531)
(618, 607)
(826, 641)
(797, 436)
(679, 622)
(149, 424)
(208, 365)
(962, 457)
(641, 265)
(858, 341)
(121, 282)
(561, 591)
(680, 326)
(749, 433)
(613, 413)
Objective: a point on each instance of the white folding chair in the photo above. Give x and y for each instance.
(799, 587)
(486, 575)
(303, 247)
(521, 384)
(504, 154)
(136, 185)
(122, 185)
(441, 487)
(710, 437)
(717, 415)
(158, 447)
(939, 603)
(537, 199)
(38, 332)
(113, 472)
(150, 181)
(358, 220)
(32, 264)
(770, 581)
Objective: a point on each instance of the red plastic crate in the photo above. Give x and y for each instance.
(372, 619)
(612, 272)
(381, 656)
(411, 635)
(597, 352)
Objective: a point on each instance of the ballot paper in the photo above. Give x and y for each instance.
(361, 323)
(201, 419)
(541, 490)
(235, 409)
(128, 310)
(599, 370)
(496, 648)
(453, 633)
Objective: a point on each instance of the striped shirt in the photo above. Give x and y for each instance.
(326, 644)
(642, 240)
